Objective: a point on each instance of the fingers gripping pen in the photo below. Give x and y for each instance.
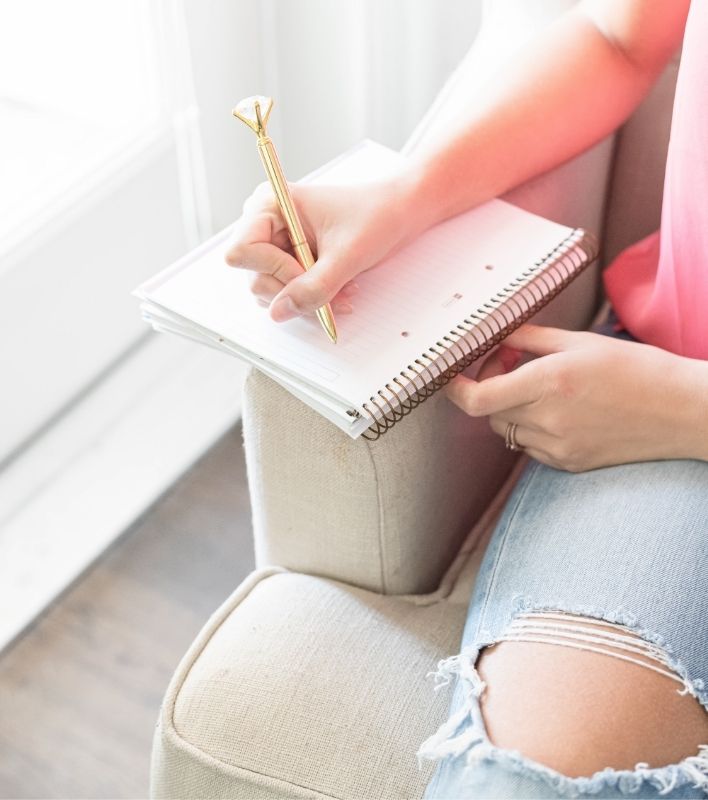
(254, 111)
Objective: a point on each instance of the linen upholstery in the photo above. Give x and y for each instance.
(312, 684)
(344, 667)
(387, 515)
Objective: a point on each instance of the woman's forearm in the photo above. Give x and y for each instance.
(569, 87)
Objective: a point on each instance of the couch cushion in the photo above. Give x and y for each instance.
(302, 686)
(318, 685)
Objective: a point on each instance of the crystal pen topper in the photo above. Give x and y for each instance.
(254, 111)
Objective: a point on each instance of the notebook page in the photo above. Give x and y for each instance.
(405, 304)
(414, 298)
(335, 414)
(171, 323)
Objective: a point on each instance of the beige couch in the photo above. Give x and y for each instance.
(310, 681)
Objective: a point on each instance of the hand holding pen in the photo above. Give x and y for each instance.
(256, 116)
(352, 227)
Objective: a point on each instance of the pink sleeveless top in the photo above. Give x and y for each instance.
(659, 286)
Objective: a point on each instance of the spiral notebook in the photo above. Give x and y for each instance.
(420, 316)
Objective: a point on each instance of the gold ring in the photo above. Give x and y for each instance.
(510, 437)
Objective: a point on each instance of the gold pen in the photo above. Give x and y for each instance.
(254, 111)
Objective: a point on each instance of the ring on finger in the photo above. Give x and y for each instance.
(510, 437)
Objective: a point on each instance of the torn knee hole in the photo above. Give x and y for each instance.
(465, 734)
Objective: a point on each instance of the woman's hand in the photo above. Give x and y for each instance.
(591, 400)
(350, 229)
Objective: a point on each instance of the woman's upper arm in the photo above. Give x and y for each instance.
(646, 33)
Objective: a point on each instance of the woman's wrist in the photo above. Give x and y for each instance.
(414, 203)
(426, 198)
(406, 206)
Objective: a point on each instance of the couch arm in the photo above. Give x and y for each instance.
(386, 515)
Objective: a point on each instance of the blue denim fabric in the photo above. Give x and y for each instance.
(626, 544)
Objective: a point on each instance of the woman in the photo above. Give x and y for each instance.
(584, 662)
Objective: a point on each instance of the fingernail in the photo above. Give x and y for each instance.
(350, 288)
(342, 308)
(283, 309)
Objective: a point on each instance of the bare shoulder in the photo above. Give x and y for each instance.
(647, 33)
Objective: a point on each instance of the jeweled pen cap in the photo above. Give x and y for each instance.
(254, 111)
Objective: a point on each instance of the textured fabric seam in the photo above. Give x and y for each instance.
(381, 519)
(208, 759)
(172, 731)
(199, 646)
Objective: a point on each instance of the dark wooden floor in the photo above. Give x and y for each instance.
(80, 692)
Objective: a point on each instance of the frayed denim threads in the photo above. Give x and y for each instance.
(626, 546)
(464, 733)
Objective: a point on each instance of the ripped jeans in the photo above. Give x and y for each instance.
(625, 544)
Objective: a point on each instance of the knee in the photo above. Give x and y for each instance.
(579, 711)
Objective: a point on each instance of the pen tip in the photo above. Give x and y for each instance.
(324, 313)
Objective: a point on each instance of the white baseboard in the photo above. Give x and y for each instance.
(79, 486)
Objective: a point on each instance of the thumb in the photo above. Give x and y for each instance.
(310, 290)
(541, 340)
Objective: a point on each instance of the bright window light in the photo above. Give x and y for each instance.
(78, 84)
